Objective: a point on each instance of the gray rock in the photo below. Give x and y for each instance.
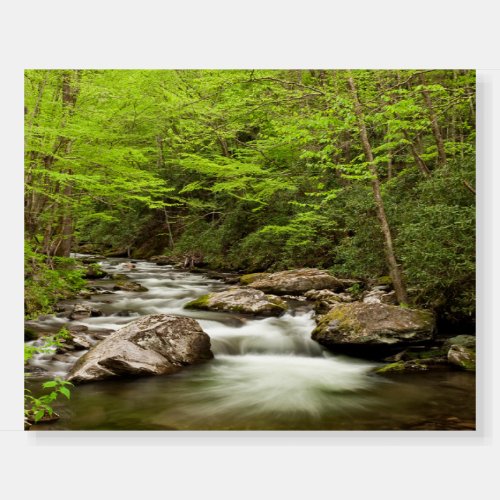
(80, 342)
(366, 328)
(298, 281)
(129, 286)
(242, 300)
(323, 295)
(81, 311)
(324, 300)
(463, 357)
(379, 296)
(373, 297)
(152, 345)
(73, 329)
(389, 298)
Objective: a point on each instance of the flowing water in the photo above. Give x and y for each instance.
(267, 373)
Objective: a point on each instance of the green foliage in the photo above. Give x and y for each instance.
(255, 170)
(48, 280)
(355, 290)
(36, 408)
(436, 241)
(46, 344)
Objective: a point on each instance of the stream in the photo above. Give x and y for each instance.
(267, 373)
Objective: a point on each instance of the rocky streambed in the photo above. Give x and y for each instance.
(291, 350)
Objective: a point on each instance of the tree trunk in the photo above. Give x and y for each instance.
(169, 229)
(64, 241)
(394, 269)
(61, 246)
(436, 130)
(418, 161)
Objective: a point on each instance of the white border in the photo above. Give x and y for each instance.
(155, 34)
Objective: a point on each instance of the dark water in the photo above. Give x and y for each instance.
(267, 375)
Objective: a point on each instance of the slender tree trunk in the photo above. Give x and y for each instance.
(223, 145)
(64, 241)
(418, 160)
(31, 157)
(436, 130)
(394, 269)
(61, 246)
(169, 229)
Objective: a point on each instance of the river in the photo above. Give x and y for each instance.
(267, 374)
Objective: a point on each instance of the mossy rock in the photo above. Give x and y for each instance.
(398, 366)
(199, 303)
(297, 281)
(373, 330)
(246, 279)
(468, 341)
(415, 365)
(462, 357)
(240, 300)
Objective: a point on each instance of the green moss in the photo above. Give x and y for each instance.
(392, 367)
(468, 362)
(246, 279)
(277, 302)
(424, 316)
(199, 303)
(433, 353)
(341, 315)
(383, 280)
(469, 365)
(416, 365)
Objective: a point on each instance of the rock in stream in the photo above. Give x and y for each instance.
(156, 344)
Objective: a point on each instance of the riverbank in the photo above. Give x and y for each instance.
(267, 373)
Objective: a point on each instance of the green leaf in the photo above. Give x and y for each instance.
(38, 415)
(65, 391)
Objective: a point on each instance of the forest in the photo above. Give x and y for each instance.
(368, 175)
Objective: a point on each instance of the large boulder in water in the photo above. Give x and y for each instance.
(373, 330)
(152, 345)
(298, 281)
(242, 300)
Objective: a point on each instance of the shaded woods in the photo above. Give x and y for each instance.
(369, 174)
